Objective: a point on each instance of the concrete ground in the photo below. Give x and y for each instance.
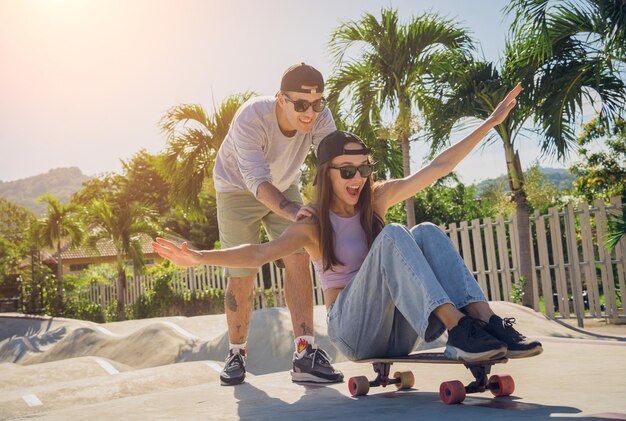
(168, 368)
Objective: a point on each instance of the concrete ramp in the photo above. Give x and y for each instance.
(168, 368)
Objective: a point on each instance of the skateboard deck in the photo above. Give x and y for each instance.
(450, 392)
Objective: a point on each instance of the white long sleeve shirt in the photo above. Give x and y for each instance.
(256, 151)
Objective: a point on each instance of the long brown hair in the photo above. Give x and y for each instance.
(372, 224)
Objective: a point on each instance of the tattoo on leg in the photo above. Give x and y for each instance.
(231, 301)
(306, 330)
(238, 328)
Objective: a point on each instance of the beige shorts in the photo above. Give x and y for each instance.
(240, 215)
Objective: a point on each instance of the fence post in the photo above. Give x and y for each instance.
(574, 264)
(533, 265)
(478, 255)
(620, 250)
(606, 265)
(465, 244)
(544, 264)
(591, 276)
(503, 254)
(492, 271)
(454, 237)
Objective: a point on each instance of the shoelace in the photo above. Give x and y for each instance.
(320, 354)
(231, 359)
(508, 326)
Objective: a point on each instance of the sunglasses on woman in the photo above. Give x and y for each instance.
(349, 171)
(301, 105)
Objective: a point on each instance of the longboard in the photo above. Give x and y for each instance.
(450, 392)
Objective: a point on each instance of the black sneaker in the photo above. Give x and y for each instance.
(518, 345)
(314, 366)
(468, 341)
(234, 371)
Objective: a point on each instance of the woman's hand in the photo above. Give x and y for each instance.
(180, 256)
(505, 106)
(306, 212)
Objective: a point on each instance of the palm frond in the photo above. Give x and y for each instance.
(561, 90)
(616, 231)
(194, 138)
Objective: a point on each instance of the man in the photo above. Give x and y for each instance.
(256, 175)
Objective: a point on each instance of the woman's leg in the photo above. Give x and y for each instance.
(391, 301)
(448, 267)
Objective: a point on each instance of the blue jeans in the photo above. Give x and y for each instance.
(387, 308)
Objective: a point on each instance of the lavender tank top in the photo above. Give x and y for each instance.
(350, 248)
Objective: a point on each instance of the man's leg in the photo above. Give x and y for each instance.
(239, 217)
(238, 303)
(310, 363)
(299, 293)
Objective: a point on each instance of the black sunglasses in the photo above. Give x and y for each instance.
(349, 171)
(301, 105)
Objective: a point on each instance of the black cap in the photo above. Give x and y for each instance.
(302, 78)
(333, 145)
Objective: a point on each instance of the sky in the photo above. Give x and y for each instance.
(84, 82)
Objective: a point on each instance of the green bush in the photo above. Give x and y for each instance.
(83, 309)
(111, 312)
(163, 301)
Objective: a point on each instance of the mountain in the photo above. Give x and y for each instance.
(560, 177)
(60, 182)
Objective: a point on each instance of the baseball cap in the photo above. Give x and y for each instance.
(302, 78)
(333, 145)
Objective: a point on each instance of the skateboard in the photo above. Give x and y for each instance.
(450, 392)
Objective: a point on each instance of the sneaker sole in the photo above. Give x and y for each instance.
(470, 357)
(525, 354)
(310, 378)
(231, 382)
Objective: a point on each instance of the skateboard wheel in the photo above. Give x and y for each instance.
(452, 392)
(407, 380)
(501, 385)
(358, 385)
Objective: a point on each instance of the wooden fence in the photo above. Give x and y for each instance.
(574, 276)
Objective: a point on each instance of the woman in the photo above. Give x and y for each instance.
(384, 287)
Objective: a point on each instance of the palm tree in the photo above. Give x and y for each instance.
(122, 224)
(473, 88)
(61, 222)
(574, 47)
(194, 137)
(390, 70)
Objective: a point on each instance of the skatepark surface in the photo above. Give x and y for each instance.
(168, 369)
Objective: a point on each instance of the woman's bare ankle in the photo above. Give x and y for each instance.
(448, 315)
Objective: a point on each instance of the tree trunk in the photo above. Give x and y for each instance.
(516, 183)
(403, 129)
(59, 297)
(525, 246)
(121, 293)
(406, 167)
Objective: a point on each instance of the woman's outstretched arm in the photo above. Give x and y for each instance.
(296, 236)
(394, 191)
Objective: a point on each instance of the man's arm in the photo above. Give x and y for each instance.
(271, 197)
